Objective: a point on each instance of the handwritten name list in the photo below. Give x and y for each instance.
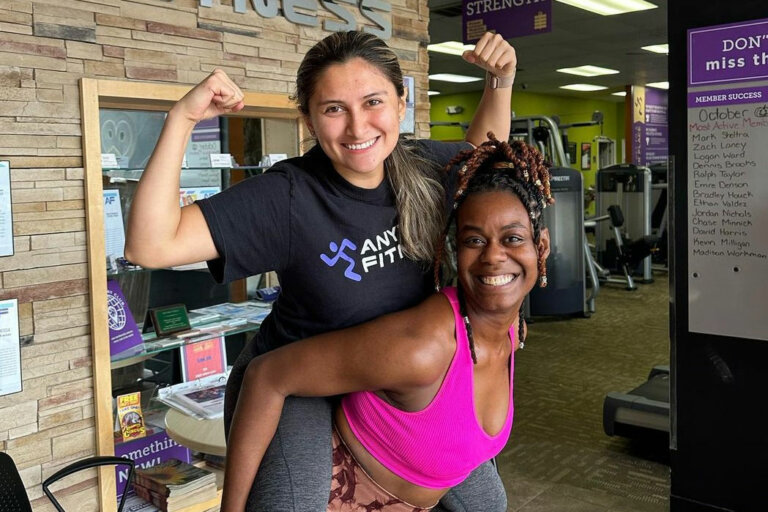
(727, 160)
(726, 145)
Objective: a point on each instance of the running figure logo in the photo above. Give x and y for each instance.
(349, 272)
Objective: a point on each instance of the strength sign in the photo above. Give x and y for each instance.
(510, 18)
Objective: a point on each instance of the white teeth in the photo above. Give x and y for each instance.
(497, 280)
(360, 146)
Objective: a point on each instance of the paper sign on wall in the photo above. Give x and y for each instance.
(10, 349)
(6, 213)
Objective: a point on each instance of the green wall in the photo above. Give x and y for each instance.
(570, 110)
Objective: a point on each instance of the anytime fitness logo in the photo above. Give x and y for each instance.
(376, 252)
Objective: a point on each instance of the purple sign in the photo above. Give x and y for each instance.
(650, 132)
(729, 97)
(123, 332)
(510, 18)
(147, 452)
(728, 53)
(206, 130)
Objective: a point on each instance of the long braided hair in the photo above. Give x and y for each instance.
(498, 165)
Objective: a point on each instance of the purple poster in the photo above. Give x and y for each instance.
(650, 133)
(510, 18)
(727, 158)
(147, 452)
(123, 332)
(656, 129)
(728, 53)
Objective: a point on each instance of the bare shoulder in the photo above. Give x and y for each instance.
(423, 339)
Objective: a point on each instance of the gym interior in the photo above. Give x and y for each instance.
(640, 387)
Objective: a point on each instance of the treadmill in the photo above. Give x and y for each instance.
(642, 412)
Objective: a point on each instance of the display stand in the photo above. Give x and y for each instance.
(96, 95)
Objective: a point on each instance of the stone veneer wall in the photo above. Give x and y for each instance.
(46, 46)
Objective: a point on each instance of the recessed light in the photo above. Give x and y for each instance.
(450, 47)
(450, 77)
(433, 93)
(620, 93)
(657, 48)
(610, 7)
(658, 85)
(583, 87)
(588, 70)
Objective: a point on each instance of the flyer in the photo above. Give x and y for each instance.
(10, 349)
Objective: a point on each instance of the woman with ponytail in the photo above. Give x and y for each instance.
(350, 228)
(428, 389)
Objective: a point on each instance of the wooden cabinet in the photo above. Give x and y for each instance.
(106, 94)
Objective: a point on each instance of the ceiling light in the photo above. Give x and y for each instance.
(658, 85)
(449, 77)
(583, 87)
(433, 93)
(620, 93)
(657, 48)
(450, 47)
(588, 71)
(609, 7)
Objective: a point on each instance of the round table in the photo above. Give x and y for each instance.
(205, 436)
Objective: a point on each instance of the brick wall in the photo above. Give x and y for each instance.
(46, 46)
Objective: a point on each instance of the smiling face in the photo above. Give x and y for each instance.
(497, 257)
(355, 114)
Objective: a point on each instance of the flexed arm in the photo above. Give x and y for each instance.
(399, 352)
(160, 232)
(495, 55)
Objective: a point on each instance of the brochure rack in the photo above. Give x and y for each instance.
(97, 96)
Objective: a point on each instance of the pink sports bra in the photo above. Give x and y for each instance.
(440, 445)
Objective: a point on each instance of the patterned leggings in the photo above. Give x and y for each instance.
(353, 490)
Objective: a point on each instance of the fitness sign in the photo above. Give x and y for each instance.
(304, 12)
(728, 179)
(510, 18)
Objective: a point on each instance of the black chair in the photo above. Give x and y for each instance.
(13, 496)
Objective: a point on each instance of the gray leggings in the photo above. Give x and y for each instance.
(295, 475)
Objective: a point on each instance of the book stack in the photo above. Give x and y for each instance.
(174, 485)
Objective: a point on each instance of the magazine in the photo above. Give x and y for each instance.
(172, 503)
(174, 478)
(130, 416)
(202, 398)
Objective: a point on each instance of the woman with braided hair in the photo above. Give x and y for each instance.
(429, 389)
(349, 227)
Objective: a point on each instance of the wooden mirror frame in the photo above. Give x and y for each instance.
(94, 95)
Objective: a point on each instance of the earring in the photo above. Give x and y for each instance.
(542, 273)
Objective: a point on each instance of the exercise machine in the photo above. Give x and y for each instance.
(543, 133)
(659, 213)
(629, 187)
(566, 293)
(641, 411)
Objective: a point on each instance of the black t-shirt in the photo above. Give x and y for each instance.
(333, 245)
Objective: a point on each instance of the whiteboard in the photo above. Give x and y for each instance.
(727, 148)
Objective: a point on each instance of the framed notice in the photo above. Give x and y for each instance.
(572, 153)
(10, 348)
(586, 155)
(6, 214)
(204, 358)
(169, 319)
